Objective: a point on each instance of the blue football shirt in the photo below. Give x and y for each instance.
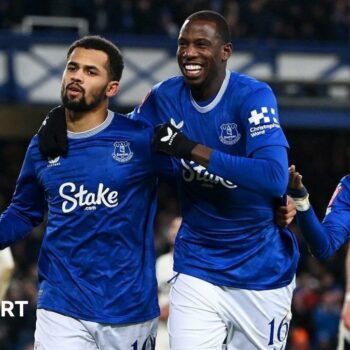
(326, 238)
(228, 235)
(337, 219)
(97, 260)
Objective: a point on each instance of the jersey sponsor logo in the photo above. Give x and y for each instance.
(122, 152)
(53, 162)
(193, 172)
(170, 137)
(167, 137)
(334, 196)
(262, 121)
(178, 125)
(75, 197)
(229, 134)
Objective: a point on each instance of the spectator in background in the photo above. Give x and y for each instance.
(265, 19)
(126, 16)
(232, 14)
(146, 12)
(257, 19)
(326, 318)
(340, 20)
(299, 339)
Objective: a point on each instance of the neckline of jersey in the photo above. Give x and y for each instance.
(93, 131)
(216, 100)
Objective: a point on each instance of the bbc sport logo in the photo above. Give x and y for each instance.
(12, 308)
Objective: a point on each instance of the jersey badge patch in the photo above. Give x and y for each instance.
(229, 134)
(122, 152)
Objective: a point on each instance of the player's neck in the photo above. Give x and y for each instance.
(207, 90)
(87, 120)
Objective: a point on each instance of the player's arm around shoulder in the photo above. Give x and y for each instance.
(27, 206)
(325, 238)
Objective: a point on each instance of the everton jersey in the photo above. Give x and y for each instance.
(338, 211)
(97, 260)
(336, 223)
(326, 238)
(228, 235)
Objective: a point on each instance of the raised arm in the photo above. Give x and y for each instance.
(325, 238)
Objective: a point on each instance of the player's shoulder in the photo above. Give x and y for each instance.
(33, 151)
(33, 147)
(124, 121)
(345, 181)
(168, 86)
(133, 127)
(247, 84)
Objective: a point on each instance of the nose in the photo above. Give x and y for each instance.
(189, 51)
(77, 76)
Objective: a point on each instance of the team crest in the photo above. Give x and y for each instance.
(229, 134)
(122, 152)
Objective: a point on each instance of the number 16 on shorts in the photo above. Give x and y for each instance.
(278, 332)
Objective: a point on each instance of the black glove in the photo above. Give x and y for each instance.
(171, 141)
(53, 134)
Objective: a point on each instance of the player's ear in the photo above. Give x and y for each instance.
(112, 88)
(226, 51)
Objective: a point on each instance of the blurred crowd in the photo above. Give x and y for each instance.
(277, 19)
(322, 156)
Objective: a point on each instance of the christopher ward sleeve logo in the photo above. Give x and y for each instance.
(261, 121)
(80, 197)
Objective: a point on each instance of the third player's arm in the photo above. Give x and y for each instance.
(325, 238)
(27, 206)
(346, 305)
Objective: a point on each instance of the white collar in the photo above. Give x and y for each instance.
(93, 131)
(217, 99)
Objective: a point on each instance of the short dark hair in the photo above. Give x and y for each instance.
(217, 18)
(95, 42)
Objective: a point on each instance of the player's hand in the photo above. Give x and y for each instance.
(164, 313)
(171, 141)
(53, 134)
(295, 178)
(296, 189)
(345, 315)
(285, 213)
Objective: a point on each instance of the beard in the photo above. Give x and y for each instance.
(81, 105)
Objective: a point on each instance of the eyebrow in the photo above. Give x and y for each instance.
(88, 66)
(180, 39)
